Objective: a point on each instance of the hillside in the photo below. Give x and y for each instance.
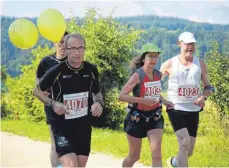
(162, 31)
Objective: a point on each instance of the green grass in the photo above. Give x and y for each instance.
(212, 147)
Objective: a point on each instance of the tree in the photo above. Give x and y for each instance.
(218, 65)
(20, 102)
(159, 30)
(109, 45)
(3, 90)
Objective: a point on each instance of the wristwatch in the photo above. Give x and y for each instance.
(49, 104)
(100, 102)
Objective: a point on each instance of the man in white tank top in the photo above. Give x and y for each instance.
(185, 72)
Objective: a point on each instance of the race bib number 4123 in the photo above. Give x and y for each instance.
(76, 104)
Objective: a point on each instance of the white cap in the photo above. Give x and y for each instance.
(187, 37)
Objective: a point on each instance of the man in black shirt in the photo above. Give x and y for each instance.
(76, 96)
(45, 64)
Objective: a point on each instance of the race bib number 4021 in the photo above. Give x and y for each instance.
(76, 104)
(153, 90)
(188, 93)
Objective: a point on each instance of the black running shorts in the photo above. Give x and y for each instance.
(73, 137)
(139, 129)
(183, 119)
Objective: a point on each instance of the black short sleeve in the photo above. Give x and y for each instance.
(50, 77)
(41, 69)
(96, 83)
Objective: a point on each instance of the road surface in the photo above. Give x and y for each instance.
(19, 151)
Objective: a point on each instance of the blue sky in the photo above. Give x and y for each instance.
(201, 11)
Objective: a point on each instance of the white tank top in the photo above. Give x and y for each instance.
(184, 85)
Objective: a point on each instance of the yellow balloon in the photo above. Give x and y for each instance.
(51, 24)
(23, 33)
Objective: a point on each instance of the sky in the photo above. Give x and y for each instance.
(210, 11)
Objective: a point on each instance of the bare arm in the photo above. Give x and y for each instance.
(165, 68)
(42, 96)
(204, 78)
(206, 92)
(58, 107)
(124, 94)
(37, 81)
(167, 103)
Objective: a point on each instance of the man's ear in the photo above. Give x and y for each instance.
(178, 43)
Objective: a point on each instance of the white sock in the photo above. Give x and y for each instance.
(174, 161)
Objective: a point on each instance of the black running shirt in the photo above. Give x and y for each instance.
(72, 87)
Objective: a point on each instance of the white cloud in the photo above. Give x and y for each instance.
(198, 19)
(72, 8)
(160, 12)
(201, 11)
(120, 8)
(129, 9)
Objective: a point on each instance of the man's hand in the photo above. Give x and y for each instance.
(59, 108)
(200, 101)
(96, 109)
(168, 104)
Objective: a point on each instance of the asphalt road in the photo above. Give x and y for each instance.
(19, 151)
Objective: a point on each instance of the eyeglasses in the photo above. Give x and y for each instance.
(152, 56)
(188, 44)
(80, 49)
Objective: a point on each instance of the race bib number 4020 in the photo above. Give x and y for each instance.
(153, 90)
(76, 104)
(188, 93)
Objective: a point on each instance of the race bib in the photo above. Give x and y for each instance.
(188, 93)
(76, 104)
(153, 90)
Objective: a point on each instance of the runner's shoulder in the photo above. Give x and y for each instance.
(167, 63)
(47, 58)
(56, 68)
(135, 77)
(203, 65)
(91, 67)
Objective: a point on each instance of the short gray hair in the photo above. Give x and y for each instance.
(73, 35)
